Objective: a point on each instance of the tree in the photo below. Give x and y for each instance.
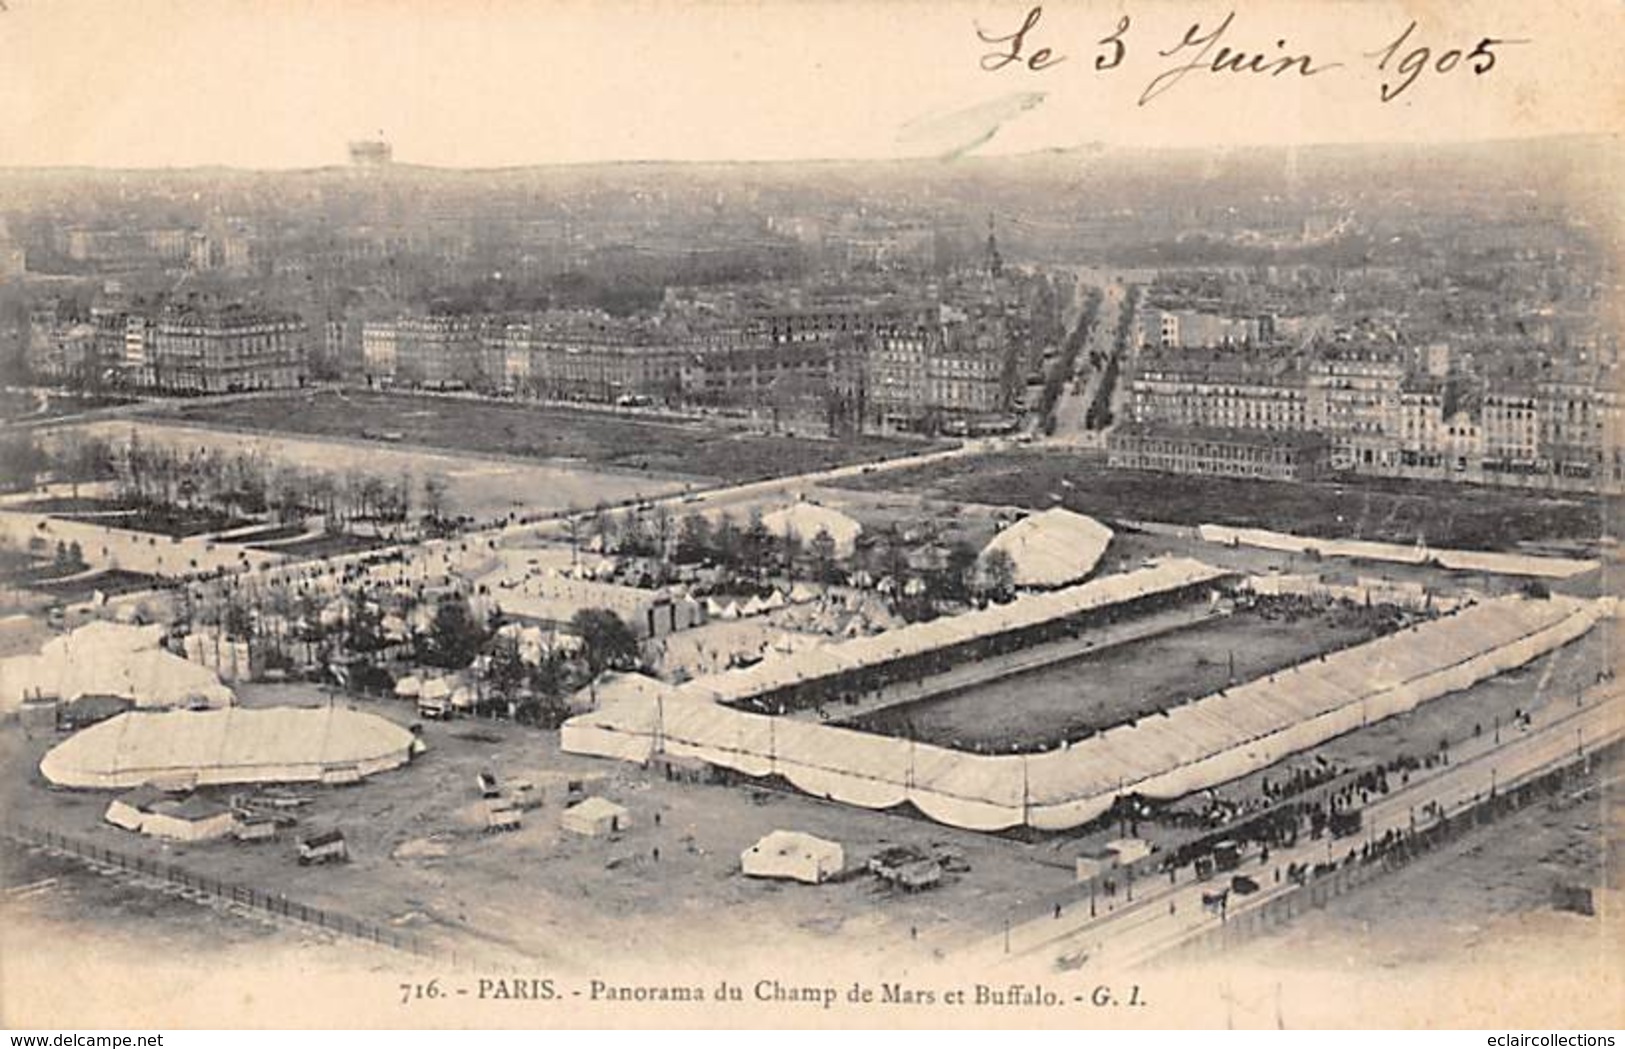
(960, 570)
(606, 639)
(456, 635)
(507, 674)
(434, 499)
(544, 703)
(998, 574)
(238, 621)
(366, 626)
(792, 551)
(725, 542)
(823, 555)
(660, 529)
(693, 540)
(755, 544)
(20, 460)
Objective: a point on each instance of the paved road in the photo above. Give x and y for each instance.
(1073, 406)
(1162, 916)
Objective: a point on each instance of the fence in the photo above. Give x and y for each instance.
(274, 904)
(1317, 892)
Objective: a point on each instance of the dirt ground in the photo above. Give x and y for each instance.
(422, 864)
(1084, 696)
(1484, 903)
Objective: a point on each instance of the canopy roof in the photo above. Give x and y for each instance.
(110, 659)
(808, 519)
(225, 746)
(1052, 548)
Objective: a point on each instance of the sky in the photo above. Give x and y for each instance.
(485, 83)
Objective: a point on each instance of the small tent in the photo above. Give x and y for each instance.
(594, 818)
(190, 819)
(793, 855)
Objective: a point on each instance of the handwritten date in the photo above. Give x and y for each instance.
(1203, 50)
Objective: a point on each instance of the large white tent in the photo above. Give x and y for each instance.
(235, 745)
(1052, 548)
(111, 659)
(806, 520)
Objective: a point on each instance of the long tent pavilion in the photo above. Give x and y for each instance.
(826, 673)
(1191, 747)
(236, 745)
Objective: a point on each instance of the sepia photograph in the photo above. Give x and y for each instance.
(811, 514)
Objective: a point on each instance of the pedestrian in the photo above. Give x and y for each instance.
(1057, 912)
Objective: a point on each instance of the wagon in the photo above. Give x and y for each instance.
(326, 847)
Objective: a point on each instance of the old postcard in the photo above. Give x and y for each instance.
(810, 514)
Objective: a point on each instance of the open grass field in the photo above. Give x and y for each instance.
(171, 521)
(1446, 515)
(477, 485)
(594, 438)
(112, 582)
(333, 545)
(1074, 700)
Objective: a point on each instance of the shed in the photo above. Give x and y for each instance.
(502, 815)
(255, 826)
(191, 819)
(129, 810)
(793, 855)
(594, 817)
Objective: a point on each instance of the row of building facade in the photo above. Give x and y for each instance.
(891, 362)
(182, 350)
(1378, 414)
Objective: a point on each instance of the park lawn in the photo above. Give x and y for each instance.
(1444, 515)
(334, 544)
(600, 438)
(173, 521)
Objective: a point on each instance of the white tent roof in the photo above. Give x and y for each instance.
(112, 660)
(808, 519)
(594, 809)
(614, 689)
(1052, 548)
(795, 843)
(235, 745)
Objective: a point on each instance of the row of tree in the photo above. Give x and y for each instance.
(239, 483)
